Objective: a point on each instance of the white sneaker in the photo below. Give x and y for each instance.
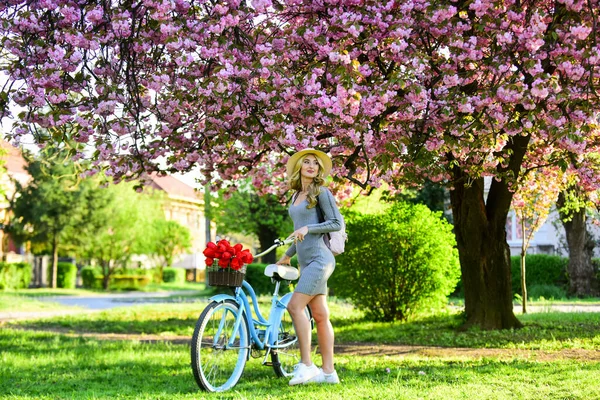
(322, 377)
(303, 374)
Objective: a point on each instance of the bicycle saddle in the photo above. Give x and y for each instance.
(285, 272)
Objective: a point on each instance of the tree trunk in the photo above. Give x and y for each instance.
(266, 238)
(54, 261)
(484, 254)
(523, 280)
(582, 279)
(105, 274)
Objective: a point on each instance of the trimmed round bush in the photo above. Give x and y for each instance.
(91, 277)
(173, 275)
(540, 269)
(397, 262)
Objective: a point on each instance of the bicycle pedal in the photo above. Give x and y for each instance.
(286, 340)
(270, 364)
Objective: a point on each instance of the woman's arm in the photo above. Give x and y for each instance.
(291, 251)
(331, 213)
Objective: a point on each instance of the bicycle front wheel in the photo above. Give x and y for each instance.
(217, 362)
(284, 359)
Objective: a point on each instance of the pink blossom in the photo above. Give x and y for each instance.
(261, 5)
(580, 32)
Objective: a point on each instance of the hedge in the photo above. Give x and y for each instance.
(66, 275)
(262, 285)
(174, 275)
(540, 270)
(15, 275)
(91, 277)
(129, 282)
(122, 279)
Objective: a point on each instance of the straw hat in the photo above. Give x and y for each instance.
(325, 160)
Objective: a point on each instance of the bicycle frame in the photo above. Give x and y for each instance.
(278, 306)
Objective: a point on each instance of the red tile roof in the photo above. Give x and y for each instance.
(13, 160)
(173, 187)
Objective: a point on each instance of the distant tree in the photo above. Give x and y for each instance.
(264, 216)
(434, 195)
(532, 202)
(118, 229)
(170, 239)
(51, 204)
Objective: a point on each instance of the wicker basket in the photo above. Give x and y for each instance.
(226, 277)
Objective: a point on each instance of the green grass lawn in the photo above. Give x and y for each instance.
(48, 366)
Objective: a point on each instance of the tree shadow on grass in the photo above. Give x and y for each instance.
(109, 323)
(543, 330)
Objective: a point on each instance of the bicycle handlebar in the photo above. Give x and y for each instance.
(278, 243)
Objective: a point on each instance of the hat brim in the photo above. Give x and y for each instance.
(291, 163)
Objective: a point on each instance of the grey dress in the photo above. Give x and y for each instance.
(314, 258)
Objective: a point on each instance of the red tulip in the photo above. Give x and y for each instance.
(209, 252)
(236, 264)
(209, 261)
(223, 263)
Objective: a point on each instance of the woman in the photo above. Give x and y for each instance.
(306, 171)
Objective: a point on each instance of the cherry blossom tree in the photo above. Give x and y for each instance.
(396, 91)
(532, 202)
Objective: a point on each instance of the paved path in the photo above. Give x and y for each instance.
(106, 301)
(579, 307)
(102, 302)
(87, 304)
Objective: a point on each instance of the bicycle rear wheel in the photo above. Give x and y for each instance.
(217, 365)
(284, 359)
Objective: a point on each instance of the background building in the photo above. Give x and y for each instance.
(14, 165)
(186, 206)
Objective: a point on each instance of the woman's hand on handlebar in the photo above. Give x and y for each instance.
(285, 260)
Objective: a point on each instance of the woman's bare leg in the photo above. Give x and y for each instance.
(302, 325)
(325, 335)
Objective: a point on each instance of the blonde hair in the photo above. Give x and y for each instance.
(314, 188)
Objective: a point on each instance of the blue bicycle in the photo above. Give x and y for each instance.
(227, 333)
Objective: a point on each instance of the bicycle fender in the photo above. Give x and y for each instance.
(220, 298)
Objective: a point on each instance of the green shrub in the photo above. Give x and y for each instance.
(66, 275)
(15, 275)
(262, 285)
(548, 292)
(91, 277)
(134, 271)
(540, 269)
(129, 282)
(397, 262)
(174, 275)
